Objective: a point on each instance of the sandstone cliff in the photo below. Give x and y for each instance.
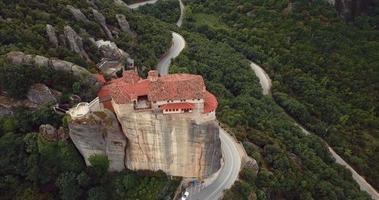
(174, 144)
(99, 133)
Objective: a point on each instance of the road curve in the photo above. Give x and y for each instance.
(180, 20)
(137, 5)
(228, 173)
(265, 81)
(178, 44)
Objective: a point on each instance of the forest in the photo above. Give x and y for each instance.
(324, 70)
(312, 56)
(32, 167)
(293, 166)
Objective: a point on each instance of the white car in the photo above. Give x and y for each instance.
(185, 196)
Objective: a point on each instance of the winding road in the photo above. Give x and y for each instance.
(178, 44)
(137, 5)
(228, 173)
(265, 81)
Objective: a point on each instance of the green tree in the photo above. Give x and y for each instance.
(100, 163)
(68, 187)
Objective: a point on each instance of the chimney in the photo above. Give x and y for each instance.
(152, 75)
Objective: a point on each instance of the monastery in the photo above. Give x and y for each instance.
(163, 123)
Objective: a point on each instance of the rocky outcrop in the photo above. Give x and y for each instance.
(101, 20)
(50, 133)
(40, 94)
(77, 13)
(18, 58)
(86, 77)
(92, 3)
(8, 105)
(62, 40)
(75, 42)
(110, 50)
(352, 8)
(50, 31)
(121, 3)
(99, 133)
(174, 144)
(124, 24)
(5, 111)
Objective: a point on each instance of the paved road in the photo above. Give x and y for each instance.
(232, 161)
(265, 81)
(180, 21)
(228, 173)
(178, 44)
(137, 5)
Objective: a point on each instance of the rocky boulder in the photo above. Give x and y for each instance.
(4, 111)
(40, 94)
(110, 50)
(8, 105)
(77, 13)
(50, 31)
(92, 3)
(75, 42)
(50, 133)
(102, 21)
(121, 3)
(17, 57)
(124, 24)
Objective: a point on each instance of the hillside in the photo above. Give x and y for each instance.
(324, 71)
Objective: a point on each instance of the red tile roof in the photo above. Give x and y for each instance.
(210, 102)
(178, 106)
(170, 87)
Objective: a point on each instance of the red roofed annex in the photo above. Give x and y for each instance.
(175, 93)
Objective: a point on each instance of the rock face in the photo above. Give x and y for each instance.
(100, 133)
(176, 145)
(110, 50)
(18, 58)
(40, 94)
(50, 133)
(124, 24)
(101, 20)
(75, 42)
(120, 3)
(4, 111)
(77, 13)
(352, 8)
(50, 31)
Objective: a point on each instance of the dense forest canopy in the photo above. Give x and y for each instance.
(325, 75)
(325, 70)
